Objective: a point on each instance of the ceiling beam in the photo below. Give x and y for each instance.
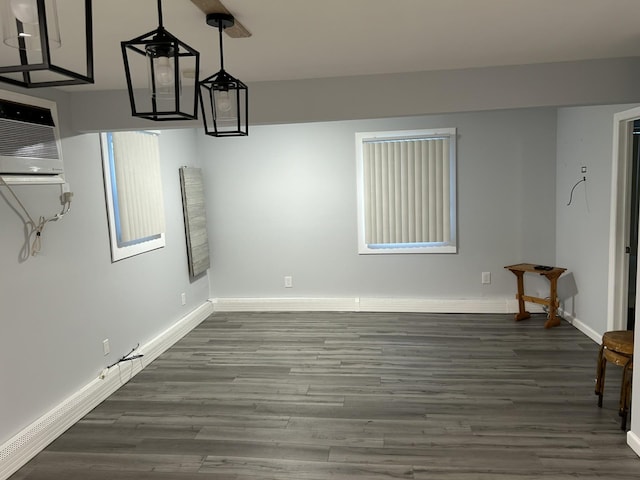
(216, 6)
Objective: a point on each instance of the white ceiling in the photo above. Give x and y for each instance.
(299, 39)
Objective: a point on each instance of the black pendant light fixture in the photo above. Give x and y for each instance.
(33, 54)
(170, 70)
(223, 98)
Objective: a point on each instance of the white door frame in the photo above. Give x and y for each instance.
(619, 219)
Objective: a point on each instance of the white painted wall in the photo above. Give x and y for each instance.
(59, 306)
(283, 202)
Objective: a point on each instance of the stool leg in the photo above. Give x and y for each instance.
(600, 375)
(623, 390)
(625, 394)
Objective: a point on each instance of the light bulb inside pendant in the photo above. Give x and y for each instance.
(164, 72)
(223, 101)
(161, 75)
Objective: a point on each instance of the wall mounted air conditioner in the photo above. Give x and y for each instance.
(29, 140)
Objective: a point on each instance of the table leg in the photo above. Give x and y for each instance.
(522, 313)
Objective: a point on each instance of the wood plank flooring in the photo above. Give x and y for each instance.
(342, 396)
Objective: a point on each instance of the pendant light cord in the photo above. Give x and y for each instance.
(220, 29)
(160, 14)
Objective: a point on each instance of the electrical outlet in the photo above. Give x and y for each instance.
(583, 169)
(183, 298)
(288, 281)
(105, 346)
(486, 278)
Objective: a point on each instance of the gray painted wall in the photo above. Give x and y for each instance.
(382, 96)
(283, 202)
(58, 307)
(585, 137)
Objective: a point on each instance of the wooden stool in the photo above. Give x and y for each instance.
(617, 348)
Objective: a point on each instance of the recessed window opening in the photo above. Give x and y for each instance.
(133, 189)
(407, 191)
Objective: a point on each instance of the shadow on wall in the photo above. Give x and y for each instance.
(567, 290)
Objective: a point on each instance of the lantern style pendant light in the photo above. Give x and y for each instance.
(223, 98)
(32, 53)
(169, 68)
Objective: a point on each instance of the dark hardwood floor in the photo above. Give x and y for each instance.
(341, 396)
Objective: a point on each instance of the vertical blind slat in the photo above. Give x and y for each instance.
(378, 198)
(446, 191)
(397, 219)
(433, 217)
(369, 193)
(439, 191)
(424, 150)
(406, 175)
(417, 177)
(406, 152)
(384, 196)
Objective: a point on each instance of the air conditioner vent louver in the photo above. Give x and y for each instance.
(27, 140)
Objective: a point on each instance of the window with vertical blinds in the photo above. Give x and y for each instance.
(133, 187)
(406, 191)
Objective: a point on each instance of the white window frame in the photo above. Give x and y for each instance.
(404, 248)
(121, 251)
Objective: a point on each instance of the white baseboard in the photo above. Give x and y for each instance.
(18, 450)
(587, 330)
(284, 304)
(372, 304)
(634, 442)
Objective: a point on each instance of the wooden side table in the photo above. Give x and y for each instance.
(552, 275)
